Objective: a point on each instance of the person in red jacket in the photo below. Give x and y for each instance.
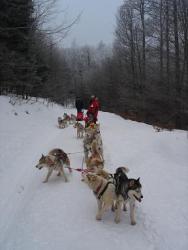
(93, 108)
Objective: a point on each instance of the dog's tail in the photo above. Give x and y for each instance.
(125, 169)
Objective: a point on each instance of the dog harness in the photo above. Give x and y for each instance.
(50, 161)
(102, 192)
(98, 188)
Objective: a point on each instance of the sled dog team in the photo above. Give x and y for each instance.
(112, 191)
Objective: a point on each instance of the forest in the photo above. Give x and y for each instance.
(143, 76)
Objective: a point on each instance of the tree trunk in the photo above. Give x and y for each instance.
(177, 65)
(161, 41)
(142, 14)
(167, 44)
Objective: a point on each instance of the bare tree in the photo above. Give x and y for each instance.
(46, 11)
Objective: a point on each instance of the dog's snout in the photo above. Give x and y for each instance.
(142, 196)
(39, 167)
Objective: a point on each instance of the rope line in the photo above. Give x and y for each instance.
(78, 169)
(79, 152)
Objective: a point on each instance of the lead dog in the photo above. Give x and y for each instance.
(127, 191)
(55, 160)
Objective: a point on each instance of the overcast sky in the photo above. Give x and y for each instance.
(97, 22)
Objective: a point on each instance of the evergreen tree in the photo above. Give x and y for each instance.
(16, 31)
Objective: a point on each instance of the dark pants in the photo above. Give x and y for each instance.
(79, 110)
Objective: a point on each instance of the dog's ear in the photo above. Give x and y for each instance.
(42, 156)
(131, 183)
(138, 182)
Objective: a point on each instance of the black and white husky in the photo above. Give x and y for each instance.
(127, 190)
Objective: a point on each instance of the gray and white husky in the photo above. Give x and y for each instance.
(55, 160)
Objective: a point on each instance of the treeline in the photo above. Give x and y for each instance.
(146, 76)
(151, 54)
(143, 77)
(31, 64)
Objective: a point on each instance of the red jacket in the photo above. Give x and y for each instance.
(94, 108)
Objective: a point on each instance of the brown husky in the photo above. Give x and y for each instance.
(54, 161)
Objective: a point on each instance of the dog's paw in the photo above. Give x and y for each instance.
(98, 217)
(45, 181)
(117, 220)
(125, 209)
(113, 209)
(133, 223)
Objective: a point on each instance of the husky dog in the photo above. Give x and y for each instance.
(103, 190)
(94, 163)
(59, 119)
(87, 145)
(92, 130)
(80, 129)
(97, 141)
(67, 118)
(87, 148)
(106, 175)
(95, 160)
(109, 176)
(127, 190)
(110, 194)
(72, 119)
(54, 161)
(62, 122)
(92, 134)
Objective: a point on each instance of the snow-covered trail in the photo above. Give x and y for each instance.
(59, 215)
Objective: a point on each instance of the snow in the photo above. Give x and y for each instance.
(58, 215)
